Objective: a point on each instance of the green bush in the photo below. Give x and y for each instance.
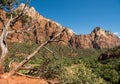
(111, 75)
(80, 74)
(82, 67)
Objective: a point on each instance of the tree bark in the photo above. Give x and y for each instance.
(3, 45)
(3, 55)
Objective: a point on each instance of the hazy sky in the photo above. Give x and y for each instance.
(82, 16)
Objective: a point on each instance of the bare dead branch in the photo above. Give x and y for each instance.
(55, 81)
(12, 72)
(20, 14)
(33, 29)
(3, 45)
(2, 21)
(58, 41)
(20, 74)
(48, 49)
(24, 31)
(55, 37)
(5, 32)
(10, 32)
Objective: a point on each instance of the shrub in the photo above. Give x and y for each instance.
(81, 68)
(111, 75)
(51, 68)
(79, 74)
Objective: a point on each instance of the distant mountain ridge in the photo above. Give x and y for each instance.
(98, 38)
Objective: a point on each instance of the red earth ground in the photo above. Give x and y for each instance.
(21, 80)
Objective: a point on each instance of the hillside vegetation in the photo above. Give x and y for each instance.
(68, 65)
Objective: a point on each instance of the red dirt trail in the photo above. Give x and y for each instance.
(21, 80)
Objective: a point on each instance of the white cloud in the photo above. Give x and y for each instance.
(117, 33)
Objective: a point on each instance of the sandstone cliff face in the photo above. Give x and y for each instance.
(98, 38)
(41, 28)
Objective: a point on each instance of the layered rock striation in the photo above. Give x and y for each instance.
(42, 28)
(98, 38)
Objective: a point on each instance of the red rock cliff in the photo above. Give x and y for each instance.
(98, 38)
(42, 28)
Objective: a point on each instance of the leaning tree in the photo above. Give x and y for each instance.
(9, 6)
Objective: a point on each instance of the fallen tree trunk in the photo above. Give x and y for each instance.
(12, 72)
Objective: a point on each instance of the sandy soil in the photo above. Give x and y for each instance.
(21, 80)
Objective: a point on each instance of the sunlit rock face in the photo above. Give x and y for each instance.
(98, 38)
(44, 28)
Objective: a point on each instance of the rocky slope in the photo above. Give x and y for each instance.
(98, 38)
(41, 28)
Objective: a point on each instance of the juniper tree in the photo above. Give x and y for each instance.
(9, 7)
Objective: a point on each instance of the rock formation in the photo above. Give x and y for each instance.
(98, 38)
(42, 28)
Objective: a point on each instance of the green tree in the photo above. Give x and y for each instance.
(9, 7)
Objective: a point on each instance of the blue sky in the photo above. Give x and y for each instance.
(82, 16)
